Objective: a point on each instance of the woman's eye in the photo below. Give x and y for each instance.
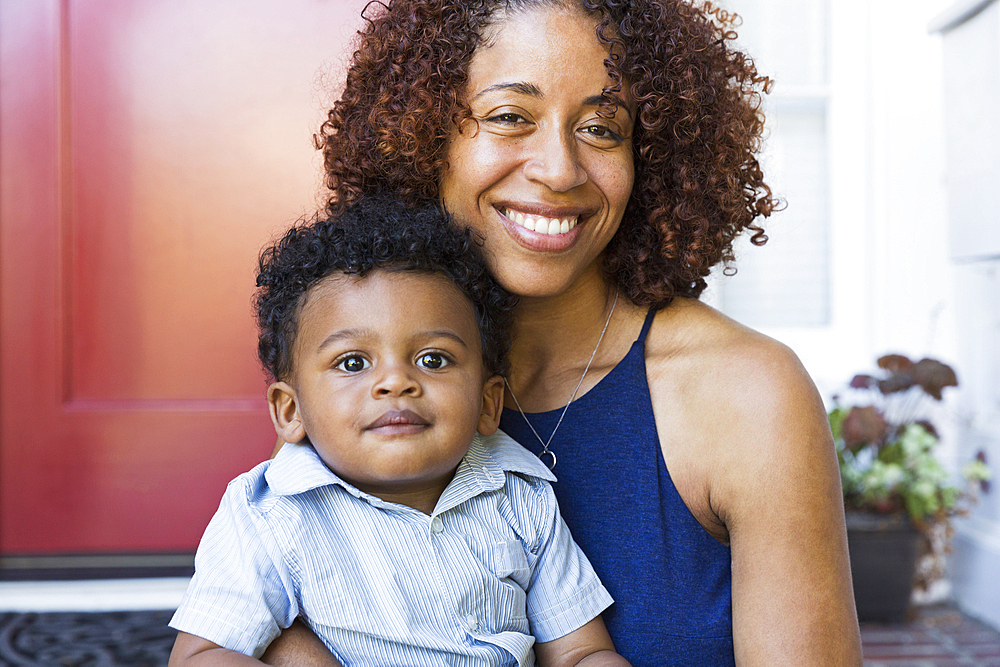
(507, 118)
(602, 132)
(353, 364)
(432, 361)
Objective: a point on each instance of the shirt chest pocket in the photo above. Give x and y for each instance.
(326, 601)
(507, 560)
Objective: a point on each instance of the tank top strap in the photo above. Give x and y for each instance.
(645, 325)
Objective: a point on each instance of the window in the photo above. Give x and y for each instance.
(786, 283)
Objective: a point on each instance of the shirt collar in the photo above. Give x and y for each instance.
(297, 468)
(509, 455)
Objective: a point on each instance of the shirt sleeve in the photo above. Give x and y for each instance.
(565, 592)
(242, 593)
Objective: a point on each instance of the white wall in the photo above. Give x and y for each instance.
(972, 111)
(897, 283)
(892, 282)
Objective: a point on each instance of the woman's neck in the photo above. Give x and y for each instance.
(555, 338)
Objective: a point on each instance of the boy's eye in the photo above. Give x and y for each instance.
(353, 364)
(432, 360)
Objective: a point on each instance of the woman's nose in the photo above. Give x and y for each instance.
(554, 161)
(395, 379)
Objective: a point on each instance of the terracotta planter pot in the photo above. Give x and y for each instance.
(884, 551)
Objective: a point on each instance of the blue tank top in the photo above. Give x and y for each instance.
(670, 579)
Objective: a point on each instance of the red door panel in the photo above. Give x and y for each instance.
(147, 151)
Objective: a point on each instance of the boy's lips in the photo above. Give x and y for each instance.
(398, 421)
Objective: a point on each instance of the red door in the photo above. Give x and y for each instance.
(147, 151)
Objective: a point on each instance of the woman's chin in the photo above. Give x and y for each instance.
(542, 280)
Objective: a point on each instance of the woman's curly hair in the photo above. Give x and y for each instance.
(698, 183)
(374, 234)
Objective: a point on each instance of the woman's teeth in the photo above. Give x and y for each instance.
(541, 224)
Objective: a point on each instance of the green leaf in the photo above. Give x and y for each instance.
(915, 507)
(837, 416)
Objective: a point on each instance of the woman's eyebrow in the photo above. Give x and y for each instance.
(530, 89)
(598, 100)
(522, 87)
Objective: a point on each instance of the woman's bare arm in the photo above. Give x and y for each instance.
(192, 651)
(297, 645)
(747, 443)
(783, 506)
(588, 646)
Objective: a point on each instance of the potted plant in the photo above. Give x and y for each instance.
(897, 494)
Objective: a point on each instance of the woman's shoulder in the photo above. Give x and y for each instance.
(706, 350)
(731, 406)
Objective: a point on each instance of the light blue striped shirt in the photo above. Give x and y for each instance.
(475, 583)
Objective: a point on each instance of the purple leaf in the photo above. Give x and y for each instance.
(895, 382)
(863, 382)
(934, 376)
(863, 426)
(895, 363)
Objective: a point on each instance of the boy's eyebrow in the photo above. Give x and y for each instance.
(530, 89)
(354, 334)
(438, 333)
(343, 334)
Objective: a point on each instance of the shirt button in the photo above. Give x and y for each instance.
(437, 525)
(471, 623)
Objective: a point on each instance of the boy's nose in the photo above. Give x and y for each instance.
(396, 380)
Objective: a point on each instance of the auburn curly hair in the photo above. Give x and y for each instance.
(698, 183)
(374, 233)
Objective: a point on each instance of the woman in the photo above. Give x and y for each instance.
(605, 151)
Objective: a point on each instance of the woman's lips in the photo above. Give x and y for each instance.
(560, 232)
(398, 422)
(540, 223)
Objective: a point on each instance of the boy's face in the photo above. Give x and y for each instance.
(388, 382)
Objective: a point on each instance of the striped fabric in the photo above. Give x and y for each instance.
(474, 583)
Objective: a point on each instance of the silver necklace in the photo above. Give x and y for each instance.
(545, 443)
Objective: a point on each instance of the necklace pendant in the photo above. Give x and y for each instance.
(548, 453)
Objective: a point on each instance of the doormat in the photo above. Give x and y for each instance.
(78, 639)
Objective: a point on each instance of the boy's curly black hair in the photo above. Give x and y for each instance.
(372, 234)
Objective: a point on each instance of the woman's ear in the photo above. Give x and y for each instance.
(489, 415)
(284, 408)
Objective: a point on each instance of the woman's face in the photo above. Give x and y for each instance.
(538, 172)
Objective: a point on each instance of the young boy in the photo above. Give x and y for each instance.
(399, 523)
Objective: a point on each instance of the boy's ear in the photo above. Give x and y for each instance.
(489, 415)
(284, 408)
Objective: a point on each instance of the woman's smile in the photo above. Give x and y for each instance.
(541, 224)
